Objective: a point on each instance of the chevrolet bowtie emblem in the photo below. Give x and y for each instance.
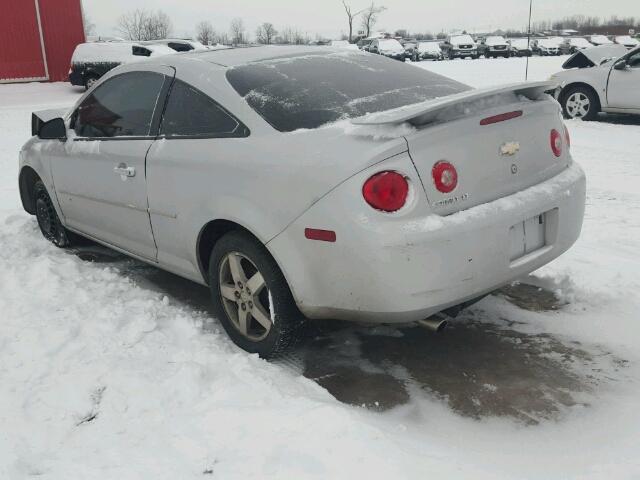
(510, 148)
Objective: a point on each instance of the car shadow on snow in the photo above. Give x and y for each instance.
(480, 366)
(618, 119)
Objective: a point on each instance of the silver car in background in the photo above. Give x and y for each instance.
(599, 79)
(313, 183)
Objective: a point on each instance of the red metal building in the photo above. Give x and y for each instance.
(37, 39)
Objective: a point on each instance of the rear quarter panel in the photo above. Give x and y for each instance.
(262, 182)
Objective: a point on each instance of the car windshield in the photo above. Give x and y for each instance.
(461, 39)
(315, 89)
(390, 45)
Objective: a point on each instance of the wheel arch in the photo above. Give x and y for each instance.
(209, 235)
(26, 182)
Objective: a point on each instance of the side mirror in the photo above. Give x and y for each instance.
(54, 129)
(621, 65)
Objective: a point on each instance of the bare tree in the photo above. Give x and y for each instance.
(159, 26)
(205, 33)
(143, 25)
(237, 31)
(265, 33)
(350, 16)
(131, 24)
(370, 17)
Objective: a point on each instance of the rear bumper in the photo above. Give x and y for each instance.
(409, 269)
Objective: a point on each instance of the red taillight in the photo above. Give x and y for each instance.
(567, 137)
(503, 117)
(556, 142)
(386, 191)
(322, 235)
(444, 176)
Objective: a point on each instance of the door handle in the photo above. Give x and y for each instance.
(125, 171)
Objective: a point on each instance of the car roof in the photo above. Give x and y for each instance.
(233, 57)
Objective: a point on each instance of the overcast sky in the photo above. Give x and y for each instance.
(327, 18)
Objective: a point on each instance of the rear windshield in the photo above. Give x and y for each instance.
(312, 90)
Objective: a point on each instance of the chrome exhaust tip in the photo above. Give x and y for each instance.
(435, 324)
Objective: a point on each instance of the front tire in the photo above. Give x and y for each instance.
(252, 298)
(48, 220)
(580, 102)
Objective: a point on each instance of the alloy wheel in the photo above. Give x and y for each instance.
(578, 105)
(245, 296)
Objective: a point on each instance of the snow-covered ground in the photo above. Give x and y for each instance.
(102, 376)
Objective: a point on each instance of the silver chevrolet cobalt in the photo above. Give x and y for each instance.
(308, 183)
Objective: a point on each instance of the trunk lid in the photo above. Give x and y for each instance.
(492, 160)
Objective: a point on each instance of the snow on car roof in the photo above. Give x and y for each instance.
(119, 52)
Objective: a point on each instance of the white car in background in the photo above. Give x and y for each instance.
(388, 47)
(430, 51)
(599, 40)
(494, 46)
(599, 79)
(627, 41)
(548, 46)
(573, 44)
(520, 47)
(460, 46)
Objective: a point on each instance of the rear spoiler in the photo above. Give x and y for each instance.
(421, 113)
(41, 117)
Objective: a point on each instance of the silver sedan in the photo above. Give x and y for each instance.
(307, 183)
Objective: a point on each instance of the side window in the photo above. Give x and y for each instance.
(180, 47)
(634, 60)
(191, 113)
(122, 106)
(140, 51)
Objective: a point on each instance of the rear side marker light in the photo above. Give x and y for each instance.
(386, 191)
(445, 176)
(567, 137)
(322, 235)
(501, 118)
(556, 142)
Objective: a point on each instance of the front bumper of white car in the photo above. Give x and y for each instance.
(405, 267)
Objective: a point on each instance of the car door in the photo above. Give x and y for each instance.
(197, 142)
(623, 90)
(100, 175)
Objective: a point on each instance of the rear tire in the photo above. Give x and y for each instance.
(252, 298)
(580, 102)
(48, 220)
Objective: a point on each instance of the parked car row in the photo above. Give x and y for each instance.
(492, 46)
